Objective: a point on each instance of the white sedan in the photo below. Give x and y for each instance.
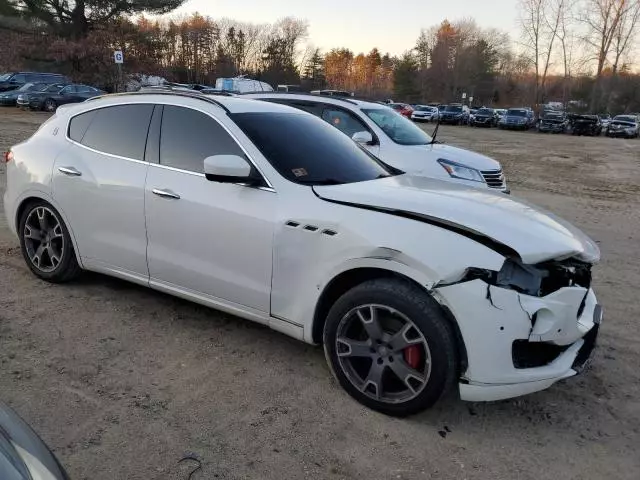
(413, 285)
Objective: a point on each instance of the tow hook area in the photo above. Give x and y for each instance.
(555, 318)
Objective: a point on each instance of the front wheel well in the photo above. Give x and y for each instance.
(349, 279)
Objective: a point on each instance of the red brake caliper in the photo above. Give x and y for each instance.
(412, 356)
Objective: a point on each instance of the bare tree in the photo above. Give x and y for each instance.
(603, 20)
(540, 24)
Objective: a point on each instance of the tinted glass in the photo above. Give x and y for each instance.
(517, 113)
(343, 121)
(120, 130)
(20, 78)
(53, 88)
(4, 77)
(397, 127)
(189, 136)
(485, 111)
(69, 89)
(79, 124)
(451, 108)
(319, 155)
(85, 89)
(625, 118)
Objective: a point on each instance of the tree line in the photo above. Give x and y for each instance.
(574, 51)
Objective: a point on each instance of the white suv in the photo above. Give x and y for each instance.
(411, 284)
(396, 140)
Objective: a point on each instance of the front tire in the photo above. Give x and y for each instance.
(46, 244)
(50, 105)
(391, 347)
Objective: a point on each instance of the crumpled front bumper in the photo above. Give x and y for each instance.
(556, 333)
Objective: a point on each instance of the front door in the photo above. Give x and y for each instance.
(206, 238)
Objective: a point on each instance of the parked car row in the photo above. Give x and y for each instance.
(42, 91)
(523, 118)
(412, 284)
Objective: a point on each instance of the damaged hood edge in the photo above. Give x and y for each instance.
(508, 226)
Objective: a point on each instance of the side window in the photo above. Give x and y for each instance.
(188, 137)
(120, 130)
(68, 90)
(79, 124)
(343, 121)
(33, 77)
(19, 78)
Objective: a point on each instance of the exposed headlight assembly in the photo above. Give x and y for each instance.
(456, 170)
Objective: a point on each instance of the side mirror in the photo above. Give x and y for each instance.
(229, 169)
(363, 138)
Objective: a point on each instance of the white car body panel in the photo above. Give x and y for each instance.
(193, 251)
(414, 159)
(267, 254)
(534, 235)
(107, 222)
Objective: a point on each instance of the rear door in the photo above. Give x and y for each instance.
(99, 184)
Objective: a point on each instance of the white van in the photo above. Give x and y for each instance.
(242, 85)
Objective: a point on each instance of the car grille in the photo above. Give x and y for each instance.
(494, 178)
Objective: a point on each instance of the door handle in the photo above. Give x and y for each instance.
(165, 193)
(71, 171)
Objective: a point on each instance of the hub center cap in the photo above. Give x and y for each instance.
(382, 350)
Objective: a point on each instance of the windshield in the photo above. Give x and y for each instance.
(453, 108)
(27, 87)
(553, 115)
(422, 108)
(517, 113)
(397, 127)
(319, 155)
(4, 77)
(485, 111)
(625, 118)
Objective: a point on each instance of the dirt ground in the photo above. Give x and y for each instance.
(123, 382)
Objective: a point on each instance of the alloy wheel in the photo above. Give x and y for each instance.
(50, 106)
(383, 353)
(44, 239)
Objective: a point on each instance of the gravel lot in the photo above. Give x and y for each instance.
(123, 382)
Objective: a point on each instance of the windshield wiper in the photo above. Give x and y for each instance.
(324, 181)
(435, 133)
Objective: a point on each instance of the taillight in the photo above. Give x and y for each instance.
(8, 156)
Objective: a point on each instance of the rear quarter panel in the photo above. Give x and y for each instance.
(29, 173)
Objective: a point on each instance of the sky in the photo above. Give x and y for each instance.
(391, 25)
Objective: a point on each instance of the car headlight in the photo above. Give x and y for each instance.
(455, 170)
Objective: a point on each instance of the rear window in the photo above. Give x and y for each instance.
(320, 155)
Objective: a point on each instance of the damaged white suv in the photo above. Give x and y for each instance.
(413, 285)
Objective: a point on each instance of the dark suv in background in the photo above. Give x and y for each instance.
(455, 114)
(14, 80)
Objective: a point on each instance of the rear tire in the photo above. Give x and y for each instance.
(412, 362)
(46, 244)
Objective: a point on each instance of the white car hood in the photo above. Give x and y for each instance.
(459, 155)
(489, 217)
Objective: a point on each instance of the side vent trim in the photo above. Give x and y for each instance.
(310, 228)
(330, 233)
(292, 224)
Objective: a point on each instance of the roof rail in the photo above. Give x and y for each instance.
(304, 94)
(166, 91)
